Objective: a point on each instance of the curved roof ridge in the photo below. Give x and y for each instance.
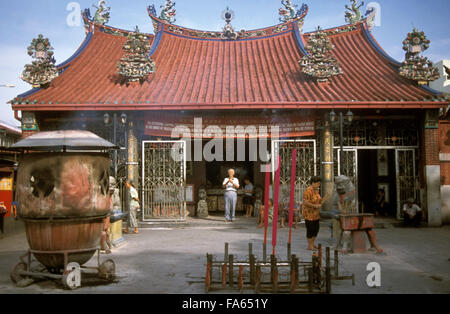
(379, 50)
(374, 43)
(299, 39)
(216, 35)
(112, 30)
(159, 33)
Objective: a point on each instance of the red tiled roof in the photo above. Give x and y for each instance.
(206, 73)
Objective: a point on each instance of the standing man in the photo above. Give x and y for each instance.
(134, 207)
(312, 203)
(231, 186)
(412, 213)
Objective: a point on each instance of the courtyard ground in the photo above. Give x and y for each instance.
(172, 259)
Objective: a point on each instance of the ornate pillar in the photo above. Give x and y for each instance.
(133, 159)
(327, 142)
(432, 169)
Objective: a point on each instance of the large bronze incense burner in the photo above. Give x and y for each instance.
(62, 190)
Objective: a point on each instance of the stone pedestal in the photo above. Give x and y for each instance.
(202, 209)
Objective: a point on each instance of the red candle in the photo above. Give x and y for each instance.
(266, 202)
(275, 205)
(292, 196)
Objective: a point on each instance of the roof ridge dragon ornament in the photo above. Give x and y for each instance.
(353, 14)
(289, 12)
(102, 14)
(168, 12)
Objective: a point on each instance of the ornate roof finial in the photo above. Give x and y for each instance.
(320, 64)
(228, 29)
(102, 14)
(168, 12)
(416, 67)
(289, 12)
(42, 70)
(136, 65)
(353, 14)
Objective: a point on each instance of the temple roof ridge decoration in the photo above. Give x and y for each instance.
(102, 13)
(199, 70)
(218, 35)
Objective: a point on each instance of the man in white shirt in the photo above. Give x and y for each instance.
(412, 213)
(231, 186)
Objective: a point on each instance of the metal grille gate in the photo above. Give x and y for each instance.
(348, 167)
(307, 166)
(407, 183)
(164, 181)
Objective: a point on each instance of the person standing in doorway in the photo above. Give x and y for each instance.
(380, 203)
(312, 203)
(248, 198)
(231, 186)
(134, 207)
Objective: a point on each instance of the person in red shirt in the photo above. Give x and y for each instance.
(312, 203)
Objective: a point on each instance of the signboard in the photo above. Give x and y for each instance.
(6, 184)
(6, 194)
(289, 125)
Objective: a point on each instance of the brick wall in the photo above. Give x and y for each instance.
(444, 130)
(431, 144)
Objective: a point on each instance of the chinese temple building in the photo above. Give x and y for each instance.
(335, 96)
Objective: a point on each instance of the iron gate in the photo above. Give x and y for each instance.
(164, 181)
(307, 166)
(407, 183)
(348, 167)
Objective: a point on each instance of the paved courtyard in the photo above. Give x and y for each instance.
(172, 259)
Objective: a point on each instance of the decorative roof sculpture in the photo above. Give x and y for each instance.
(42, 70)
(353, 14)
(416, 67)
(289, 12)
(228, 29)
(168, 12)
(136, 65)
(320, 64)
(102, 14)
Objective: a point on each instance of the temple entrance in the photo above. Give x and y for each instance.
(377, 173)
(164, 181)
(307, 166)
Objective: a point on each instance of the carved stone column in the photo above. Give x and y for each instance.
(133, 159)
(327, 144)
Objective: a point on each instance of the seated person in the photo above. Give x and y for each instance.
(285, 215)
(412, 213)
(261, 214)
